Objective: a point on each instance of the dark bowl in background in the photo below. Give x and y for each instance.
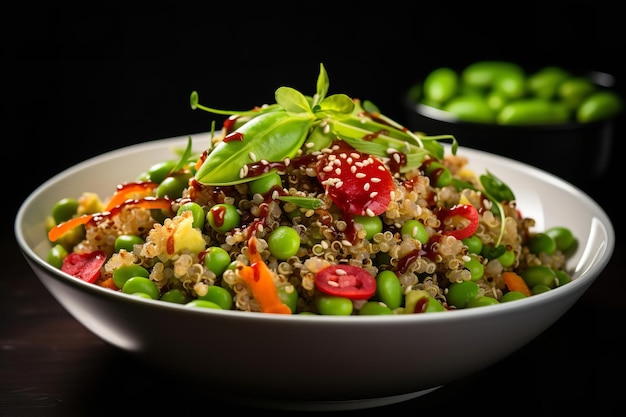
(579, 153)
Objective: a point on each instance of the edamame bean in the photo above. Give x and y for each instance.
(539, 275)
(482, 301)
(542, 243)
(202, 304)
(439, 174)
(562, 277)
(125, 272)
(289, 296)
(64, 210)
(416, 230)
(563, 237)
(476, 268)
(507, 258)
(545, 82)
(371, 224)
(539, 288)
(175, 295)
(223, 217)
(283, 242)
(512, 296)
(389, 289)
(331, 305)
(56, 255)
(127, 242)
(418, 301)
(141, 285)
(375, 308)
(574, 90)
(441, 85)
(461, 293)
(173, 186)
(217, 260)
(196, 210)
(485, 73)
(219, 296)
(265, 183)
(474, 244)
(158, 172)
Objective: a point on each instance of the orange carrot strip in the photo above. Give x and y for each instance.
(109, 283)
(261, 281)
(514, 282)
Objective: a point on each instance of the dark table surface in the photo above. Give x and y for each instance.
(50, 365)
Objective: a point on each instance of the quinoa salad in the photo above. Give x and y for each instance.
(311, 205)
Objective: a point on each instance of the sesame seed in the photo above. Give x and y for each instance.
(340, 271)
(355, 155)
(252, 156)
(375, 179)
(369, 212)
(338, 171)
(366, 186)
(373, 194)
(360, 175)
(264, 162)
(338, 184)
(353, 169)
(381, 168)
(309, 144)
(333, 283)
(391, 150)
(327, 168)
(396, 157)
(346, 243)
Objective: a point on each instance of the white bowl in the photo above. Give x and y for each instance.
(317, 362)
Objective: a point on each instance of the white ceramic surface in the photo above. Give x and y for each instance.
(317, 362)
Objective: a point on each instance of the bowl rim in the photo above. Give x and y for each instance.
(36, 261)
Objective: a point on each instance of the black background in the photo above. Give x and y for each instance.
(77, 83)
(81, 82)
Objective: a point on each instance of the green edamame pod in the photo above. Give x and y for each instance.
(470, 108)
(533, 111)
(484, 74)
(440, 85)
(574, 90)
(545, 82)
(599, 105)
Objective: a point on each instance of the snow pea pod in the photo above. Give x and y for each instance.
(271, 136)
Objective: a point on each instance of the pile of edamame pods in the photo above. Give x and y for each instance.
(504, 93)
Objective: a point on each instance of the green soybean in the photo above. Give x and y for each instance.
(539, 275)
(474, 244)
(375, 308)
(482, 301)
(419, 301)
(64, 209)
(56, 255)
(219, 296)
(416, 230)
(159, 171)
(485, 73)
(289, 296)
(476, 268)
(202, 304)
(332, 305)
(441, 85)
(574, 90)
(283, 242)
(546, 82)
(563, 237)
(127, 242)
(172, 187)
(217, 260)
(512, 296)
(175, 295)
(196, 211)
(265, 183)
(461, 293)
(542, 243)
(223, 217)
(125, 272)
(371, 224)
(562, 277)
(141, 285)
(389, 289)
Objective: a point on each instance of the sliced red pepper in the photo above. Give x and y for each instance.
(85, 266)
(359, 184)
(347, 281)
(465, 211)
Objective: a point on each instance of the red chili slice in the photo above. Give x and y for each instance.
(358, 183)
(466, 211)
(85, 266)
(347, 281)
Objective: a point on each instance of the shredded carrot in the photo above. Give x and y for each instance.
(261, 281)
(60, 229)
(109, 283)
(514, 282)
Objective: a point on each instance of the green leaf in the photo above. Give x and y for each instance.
(293, 101)
(339, 106)
(270, 136)
(322, 86)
